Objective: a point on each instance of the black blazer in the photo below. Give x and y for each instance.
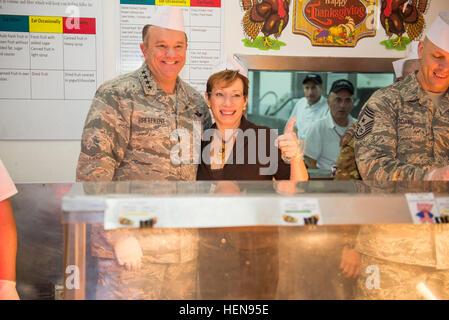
(245, 171)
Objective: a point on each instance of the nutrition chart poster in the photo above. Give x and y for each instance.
(50, 67)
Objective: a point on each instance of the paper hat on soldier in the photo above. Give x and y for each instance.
(228, 62)
(412, 54)
(438, 32)
(169, 18)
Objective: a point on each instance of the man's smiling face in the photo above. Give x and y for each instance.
(165, 52)
(434, 71)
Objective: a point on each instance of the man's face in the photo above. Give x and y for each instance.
(312, 92)
(164, 52)
(434, 71)
(340, 104)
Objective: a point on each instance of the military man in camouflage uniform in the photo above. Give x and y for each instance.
(402, 134)
(346, 165)
(129, 135)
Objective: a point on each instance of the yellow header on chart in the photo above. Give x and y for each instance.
(46, 24)
(183, 3)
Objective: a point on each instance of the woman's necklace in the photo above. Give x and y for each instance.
(222, 151)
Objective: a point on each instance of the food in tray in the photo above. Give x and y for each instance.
(148, 223)
(289, 219)
(444, 218)
(311, 220)
(125, 221)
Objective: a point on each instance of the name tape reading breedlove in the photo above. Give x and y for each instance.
(426, 209)
(123, 213)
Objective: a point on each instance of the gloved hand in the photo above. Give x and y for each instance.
(291, 147)
(8, 290)
(129, 253)
(441, 174)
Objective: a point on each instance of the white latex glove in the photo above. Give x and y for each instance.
(8, 290)
(291, 147)
(129, 253)
(441, 174)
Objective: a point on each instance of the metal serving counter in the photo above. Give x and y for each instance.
(226, 240)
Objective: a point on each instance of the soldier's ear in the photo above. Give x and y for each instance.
(420, 48)
(144, 49)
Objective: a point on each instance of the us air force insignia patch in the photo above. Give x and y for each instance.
(365, 123)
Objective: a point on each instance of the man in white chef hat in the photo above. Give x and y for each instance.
(403, 67)
(402, 134)
(127, 137)
(404, 108)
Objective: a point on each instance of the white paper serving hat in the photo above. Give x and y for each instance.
(412, 53)
(169, 17)
(229, 62)
(438, 32)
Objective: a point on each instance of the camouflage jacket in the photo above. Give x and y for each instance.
(126, 137)
(423, 245)
(127, 130)
(401, 134)
(346, 165)
(407, 243)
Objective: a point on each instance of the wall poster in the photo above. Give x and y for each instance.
(337, 23)
(50, 67)
(204, 21)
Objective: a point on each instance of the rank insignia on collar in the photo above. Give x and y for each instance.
(145, 78)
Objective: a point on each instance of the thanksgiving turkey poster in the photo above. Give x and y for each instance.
(340, 23)
(403, 21)
(263, 23)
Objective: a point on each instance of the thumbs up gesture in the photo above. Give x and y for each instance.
(291, 147)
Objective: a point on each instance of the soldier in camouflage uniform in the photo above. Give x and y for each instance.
(127, 136)
(346, 164)
(402, 135)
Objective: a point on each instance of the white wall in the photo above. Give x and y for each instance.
(55, 161)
